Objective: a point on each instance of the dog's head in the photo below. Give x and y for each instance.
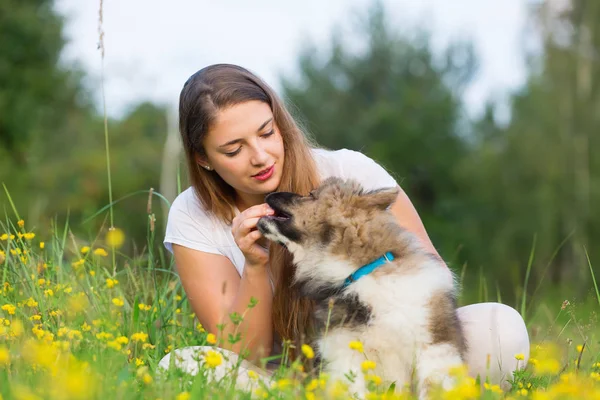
(332, 229)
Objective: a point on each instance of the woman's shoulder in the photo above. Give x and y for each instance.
(189, 205)
(352, 164)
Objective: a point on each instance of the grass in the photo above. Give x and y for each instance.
(73, 327)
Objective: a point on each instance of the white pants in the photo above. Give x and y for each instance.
(495, 333)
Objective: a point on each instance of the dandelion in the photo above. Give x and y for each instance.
(211, 339)
(4, 237)
(213, 359)
(368, 365)
(308, 351)
(21, 223)
(115, 237)
(100, 252)
(85, 250)
(117, 301)
(356, 345)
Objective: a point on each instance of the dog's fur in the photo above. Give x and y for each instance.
(404, 312)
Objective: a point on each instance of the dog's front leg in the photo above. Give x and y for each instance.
(434, 363)
(343, 365)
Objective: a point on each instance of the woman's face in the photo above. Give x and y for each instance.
(245, 147)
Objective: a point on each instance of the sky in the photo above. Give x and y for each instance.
(152, 47)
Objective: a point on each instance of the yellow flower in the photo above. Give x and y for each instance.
(146, 346)
(115, 237)
(29, 235)
(31, 303)
(252, 374)
(519, 357)
(48, 293)
(144, 307)
(78, 264)
(117, 301)
(356, 345)
(9, 308)
(200, 328)
(139, 362)
(213, 359)
(308, 351)
(211, 338)
(85, 327)
(139, 337)
(368, 365)
(376, 379)
(183, 396)
(101, 252)
(122, 340)
(579, 348)
(42, 245)
(2, 256)
(4, 356)
(21, 223)
(110, 283)
(85, 250)
(4, 236)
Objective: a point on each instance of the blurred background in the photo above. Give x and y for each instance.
(483, 111)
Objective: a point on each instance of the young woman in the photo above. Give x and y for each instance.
(241, 143)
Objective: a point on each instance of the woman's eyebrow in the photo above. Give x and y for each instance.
(260, 128)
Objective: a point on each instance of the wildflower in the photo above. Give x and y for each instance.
(85, 327)
(100, 252)
(41, 282)
(200, 328)
(252, 374)
(183, 396)
(21, 223)
(144, 307)
(356, 345)
(147, 346)
(213, 359)
(9, 308)
(579, 348)
(48, 293)
(42, 245)
(376, 379)
(31, 303)
(110, 283)
(308, 351)
(139, 337)
(368, 365)
(29, 235)
(85, 250)
(115, 237)
(35, 317)
(139, 362)
(78, 263)
(4, 237)
(4, 356)
(113, 344)
(122, 340)
(104, 335)
(519, 357)
(211, 338)
(117, 301)
(2, 256)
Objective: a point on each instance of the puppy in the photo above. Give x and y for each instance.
(388, 292)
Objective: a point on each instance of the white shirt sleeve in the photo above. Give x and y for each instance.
(189, 227)
(371, 175)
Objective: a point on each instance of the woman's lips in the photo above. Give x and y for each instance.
(265, 174)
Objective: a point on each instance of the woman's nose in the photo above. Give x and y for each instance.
(259, 156)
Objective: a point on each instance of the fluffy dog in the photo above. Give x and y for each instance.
(389, 293)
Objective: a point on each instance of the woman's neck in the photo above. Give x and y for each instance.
(244, 200)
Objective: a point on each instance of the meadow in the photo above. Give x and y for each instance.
(79, 319)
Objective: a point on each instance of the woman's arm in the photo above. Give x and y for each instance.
(215, 290)
(408, 218)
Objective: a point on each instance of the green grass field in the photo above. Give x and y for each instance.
(81, 320)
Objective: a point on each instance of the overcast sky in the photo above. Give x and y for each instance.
(153, 46)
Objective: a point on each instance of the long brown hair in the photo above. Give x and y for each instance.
(205, 93)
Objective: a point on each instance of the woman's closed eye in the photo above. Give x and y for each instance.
(235, 152)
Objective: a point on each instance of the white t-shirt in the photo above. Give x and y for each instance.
(190, 225)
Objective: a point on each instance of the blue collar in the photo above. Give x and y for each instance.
(367, 269)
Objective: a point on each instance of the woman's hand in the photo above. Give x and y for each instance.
(245, 234)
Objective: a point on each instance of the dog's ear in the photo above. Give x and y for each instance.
(380, 198)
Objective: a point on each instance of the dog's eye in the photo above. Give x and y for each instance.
(312, 195)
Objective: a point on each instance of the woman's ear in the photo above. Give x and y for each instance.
(201, 161)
